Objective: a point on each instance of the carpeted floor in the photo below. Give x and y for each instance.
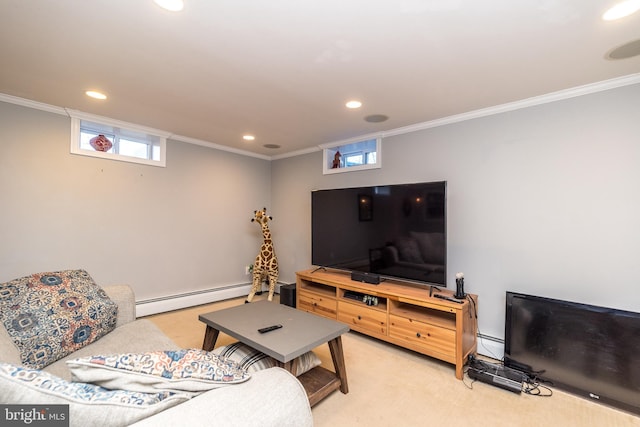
(391, 386)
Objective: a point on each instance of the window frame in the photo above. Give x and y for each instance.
(329, 150)
(123, 130)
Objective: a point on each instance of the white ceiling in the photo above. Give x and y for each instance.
(283, 69)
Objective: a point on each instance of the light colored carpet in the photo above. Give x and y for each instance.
(391, 386)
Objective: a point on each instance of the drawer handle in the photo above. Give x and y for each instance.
(315, 304)
(418, 334)
(359, 317)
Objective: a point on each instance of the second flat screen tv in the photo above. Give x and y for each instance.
(395, 231)
(589, 350)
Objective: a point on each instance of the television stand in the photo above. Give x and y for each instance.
(403, 314)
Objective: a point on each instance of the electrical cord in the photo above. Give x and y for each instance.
(473, 305)
(531, 385)
(470, 385)
(536, 389)
(482, 341)
(475, 314)
(534, 386)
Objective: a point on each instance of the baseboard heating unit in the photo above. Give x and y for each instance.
(497, 375)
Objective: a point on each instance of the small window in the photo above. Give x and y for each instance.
(108, 139)
(353, 156)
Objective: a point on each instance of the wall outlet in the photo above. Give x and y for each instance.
(247, 269)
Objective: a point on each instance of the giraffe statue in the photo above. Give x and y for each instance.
(266, 263)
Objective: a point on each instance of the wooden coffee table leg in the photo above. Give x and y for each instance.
(335, 345)
(210, 338)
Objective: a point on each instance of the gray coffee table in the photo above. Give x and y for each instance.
(300, 332)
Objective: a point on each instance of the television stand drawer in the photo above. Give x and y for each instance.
(359, 317)
(317, 304)
(423, 335)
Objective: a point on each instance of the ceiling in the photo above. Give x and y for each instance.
(282, 70)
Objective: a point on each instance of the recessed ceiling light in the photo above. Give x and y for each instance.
(621, 10)
(170, 5)
(96, 95)
(248, 137)
(353, 104)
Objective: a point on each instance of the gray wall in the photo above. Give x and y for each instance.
(165, 231)
(543, 200)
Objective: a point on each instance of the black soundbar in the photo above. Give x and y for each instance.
(361, 276)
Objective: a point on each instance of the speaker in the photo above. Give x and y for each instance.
(288, 295)
(460, 288)
(361, 276)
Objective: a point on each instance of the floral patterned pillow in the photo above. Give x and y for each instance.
(50, 315)
(89, 404)
(189, 371)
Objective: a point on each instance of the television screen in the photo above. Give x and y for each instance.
(396, 231)
(589, 350)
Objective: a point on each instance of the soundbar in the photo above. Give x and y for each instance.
(361, 276)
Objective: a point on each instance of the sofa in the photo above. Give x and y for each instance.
(269, 397)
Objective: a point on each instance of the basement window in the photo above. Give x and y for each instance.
(360, 155)
(120, 141)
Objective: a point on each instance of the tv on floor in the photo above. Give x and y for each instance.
(591, 351)
(393, 231)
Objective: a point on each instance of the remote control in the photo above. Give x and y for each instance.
(448, 298)
(269, 328)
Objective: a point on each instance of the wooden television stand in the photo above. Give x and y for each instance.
(399, 313)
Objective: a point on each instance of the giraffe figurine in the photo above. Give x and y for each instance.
(266, 263)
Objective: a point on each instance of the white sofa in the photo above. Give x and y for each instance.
(271, 397)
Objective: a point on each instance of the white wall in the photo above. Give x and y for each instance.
(543, 200)
(166, 231)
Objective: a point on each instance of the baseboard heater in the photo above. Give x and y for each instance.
(151, 306)
(190, 299)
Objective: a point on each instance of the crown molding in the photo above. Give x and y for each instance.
(32, 104)
(561, 95)
(295, 153)
(101, 119)
(194, 141)
(518, 105)
(587, 89)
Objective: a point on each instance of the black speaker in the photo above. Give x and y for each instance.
(460, 288)
(288, 295)
(360, 276)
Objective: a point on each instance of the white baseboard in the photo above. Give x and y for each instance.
(491, 346)
(192, 299)
(176, 302)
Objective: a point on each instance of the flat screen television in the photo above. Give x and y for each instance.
(588, 350)
(394, 231)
